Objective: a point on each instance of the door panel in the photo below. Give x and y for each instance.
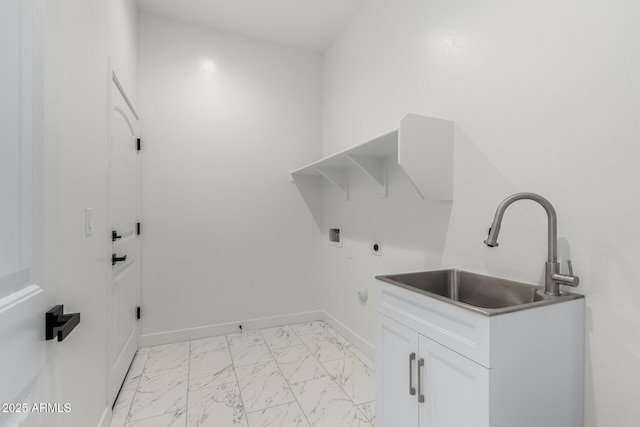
(123, 205)
(123, 171)
(455, 388)
(22, 298)
(11, 147)
(395, 406)
(125, 282)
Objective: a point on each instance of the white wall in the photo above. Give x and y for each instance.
(545, 99)
(226, 236)
(79, 37)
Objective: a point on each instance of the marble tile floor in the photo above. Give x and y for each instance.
(303, 374)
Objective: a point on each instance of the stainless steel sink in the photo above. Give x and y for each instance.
(483, 294)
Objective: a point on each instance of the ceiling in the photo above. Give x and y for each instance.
(306, 24)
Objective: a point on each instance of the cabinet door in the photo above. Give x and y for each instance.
(455, 389)
(395, 404)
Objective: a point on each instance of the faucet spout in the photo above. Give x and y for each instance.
(552, 228)
(553, 278)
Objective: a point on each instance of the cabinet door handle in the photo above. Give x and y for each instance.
(420, 395)
(412, 389)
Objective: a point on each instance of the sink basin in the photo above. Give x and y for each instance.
(483, 294)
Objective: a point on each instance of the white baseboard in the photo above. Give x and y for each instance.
(169, 337)
(105, 420)
(363, 345)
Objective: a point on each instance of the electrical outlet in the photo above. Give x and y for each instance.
(376, 247)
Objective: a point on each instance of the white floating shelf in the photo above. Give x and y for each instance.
(367, 157)
(422, 145)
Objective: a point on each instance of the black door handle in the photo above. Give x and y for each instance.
(58, 324)
(114, 236)
(115, 259)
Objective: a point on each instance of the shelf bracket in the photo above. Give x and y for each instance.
(425, 154)
(337, 177)
(310, 187)
(373, 167)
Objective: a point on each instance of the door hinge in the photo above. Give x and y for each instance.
(138, 228)
(138, 313)
(138, 144)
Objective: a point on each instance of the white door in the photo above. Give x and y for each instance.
(123, 213)
(23, 302)
(396, 374)
(455, 389)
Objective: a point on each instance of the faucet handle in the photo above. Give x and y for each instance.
(566, 279)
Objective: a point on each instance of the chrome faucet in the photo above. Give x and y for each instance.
(553, 277)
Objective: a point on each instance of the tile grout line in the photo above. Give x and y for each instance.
(325, 368)
(285, 378)
(126, 418)
(309, 350)
(342, 388)
(235, 374)
(347, 394)
(360, 358)
(270, 350)
(339, 335)
(330, 376)
(164, 370)
(369, 419)
(186, 404)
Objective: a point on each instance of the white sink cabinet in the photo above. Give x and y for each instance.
(519, 369)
